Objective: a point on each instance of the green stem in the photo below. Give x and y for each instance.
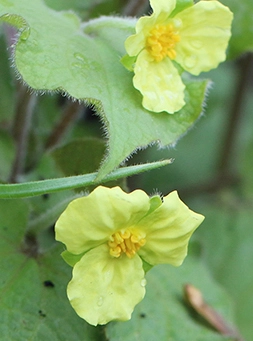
(29, 189)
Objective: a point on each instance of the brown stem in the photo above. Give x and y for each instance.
(135, 7)
(235, 116)
(69, 115)
(225, 177)
(195, 299)
(212, 186)
(20, 129)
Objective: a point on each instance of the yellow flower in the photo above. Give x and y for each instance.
(110, 236)
(195, 38)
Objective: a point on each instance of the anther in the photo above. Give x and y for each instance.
(161, 42)
(127, 241)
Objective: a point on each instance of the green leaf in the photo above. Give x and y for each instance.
(159, 316)
(33, 300)
(6, 87)
(77, 5)
(84, 8)
(56, 53)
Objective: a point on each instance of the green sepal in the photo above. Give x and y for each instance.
(70, 258)
(155, 202)
(146, 266)
(181, 5)
(128, 62)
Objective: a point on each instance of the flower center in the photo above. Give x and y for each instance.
(161, 42)
(126, 241)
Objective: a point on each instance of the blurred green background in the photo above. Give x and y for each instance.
(212, 171)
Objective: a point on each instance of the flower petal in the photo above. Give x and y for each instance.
(204, 33)
(165, 6)
(168, 230)
(161, 11)
(104, 288)
(137, 42)
(159, 83)
(89, 221)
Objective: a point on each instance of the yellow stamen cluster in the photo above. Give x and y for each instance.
(161, 42)
(126, 241)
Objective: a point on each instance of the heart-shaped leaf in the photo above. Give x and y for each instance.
(55, 52)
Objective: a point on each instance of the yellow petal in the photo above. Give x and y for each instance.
(135, 43)
(159, 83)
(104, 288)
(168, 230)
(161, 11)
(162, 8)
(89, 221)
(204, 35)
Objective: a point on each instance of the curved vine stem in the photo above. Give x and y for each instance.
(29, 189)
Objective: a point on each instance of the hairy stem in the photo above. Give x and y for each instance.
(33, 188)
